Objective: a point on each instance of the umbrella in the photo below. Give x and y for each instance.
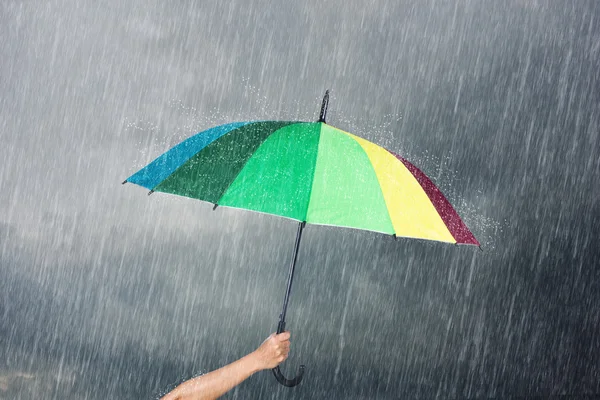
(310, 172)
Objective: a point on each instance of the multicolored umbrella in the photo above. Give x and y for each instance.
(310, 172)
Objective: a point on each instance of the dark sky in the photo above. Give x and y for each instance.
(108, 293)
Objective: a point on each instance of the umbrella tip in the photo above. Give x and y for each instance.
(324, 107)
(150, 192)
(124, 182)
(215, 207)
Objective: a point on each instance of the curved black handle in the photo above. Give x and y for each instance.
(288, 382)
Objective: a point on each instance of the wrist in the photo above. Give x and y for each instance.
(254, 362)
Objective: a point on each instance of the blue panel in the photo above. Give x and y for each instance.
(158, 170)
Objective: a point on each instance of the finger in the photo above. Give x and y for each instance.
(283, 336)
(284, 351)
(285, 345)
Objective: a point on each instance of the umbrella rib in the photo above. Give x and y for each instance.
(312, 182)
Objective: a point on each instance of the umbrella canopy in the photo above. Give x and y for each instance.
(310, 172)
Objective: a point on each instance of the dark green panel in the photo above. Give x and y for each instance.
(208, 174)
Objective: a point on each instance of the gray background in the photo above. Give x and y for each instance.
(108, 293)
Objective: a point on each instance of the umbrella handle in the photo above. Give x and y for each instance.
(278, 375)
(288, 382)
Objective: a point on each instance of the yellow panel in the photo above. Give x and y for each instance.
(412, 213)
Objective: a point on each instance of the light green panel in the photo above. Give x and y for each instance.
(345, 189)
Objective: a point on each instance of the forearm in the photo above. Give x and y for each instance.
(216, 383)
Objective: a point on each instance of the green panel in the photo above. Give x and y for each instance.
(278, 177)
(208, 174)
(345, 190)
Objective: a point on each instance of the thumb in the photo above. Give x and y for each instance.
(270, 336)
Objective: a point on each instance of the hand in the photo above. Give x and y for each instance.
(273, 351)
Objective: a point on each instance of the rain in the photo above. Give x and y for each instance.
(106, 292)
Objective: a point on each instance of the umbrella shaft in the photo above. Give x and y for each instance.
(281, 326)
